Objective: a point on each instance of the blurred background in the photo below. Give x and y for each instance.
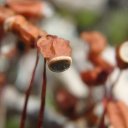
(69, 102)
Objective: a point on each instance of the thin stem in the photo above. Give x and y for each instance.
(114, 84)
(102, 121)
(43, 94)
(90, 92)
(28, 92)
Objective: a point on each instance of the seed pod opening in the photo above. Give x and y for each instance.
(57, 52)
(122, 55)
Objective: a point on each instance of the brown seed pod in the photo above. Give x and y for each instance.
(97, 60)
(94, 77)
(65, 102)
(4, 14)
(25, 30)
(57, 51)
(71, 106)
(27, 8)
(122, 55)
(96, 41)
(92, 118)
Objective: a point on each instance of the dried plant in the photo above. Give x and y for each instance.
(56, 51)
(117, 111)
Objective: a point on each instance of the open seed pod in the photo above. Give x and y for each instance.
(96, 41)
(122, 55)
(95, 77)
(57, 52)
(97, 60)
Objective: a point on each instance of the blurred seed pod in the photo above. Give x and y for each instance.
(92, 118)
(31, 8)
(96, 41)
(65, 102)
(71, 106)
(25, 30)
(95, 77)
(97, 60)
(4, 14)
(122, 55)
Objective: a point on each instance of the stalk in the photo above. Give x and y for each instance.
(108, 98)
(28, 92)
(43, 94)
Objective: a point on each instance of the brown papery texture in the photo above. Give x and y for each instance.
(26, 31)
(28, 8)
(97, 76)
(118, 114)
(4, 14)
(96, 41)
(97, 60)
(52, 46)
(65, 102)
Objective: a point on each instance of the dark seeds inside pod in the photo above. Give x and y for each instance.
(59, 65)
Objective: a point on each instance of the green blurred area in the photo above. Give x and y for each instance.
(113, 23)
(12, 123)
(117, 26)
(86, 19)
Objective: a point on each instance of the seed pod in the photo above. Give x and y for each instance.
(30, 8)
(97, 60)
(4, 14)
(122, 55)
(92, 118)
(57, 52)
(94, 77)
(65, 102)
(96, 41)
(25, 30)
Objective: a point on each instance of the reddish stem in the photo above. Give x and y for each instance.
(28, 92)
(43, 94)
(102, 120)
(108, 97)
(114, 84)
